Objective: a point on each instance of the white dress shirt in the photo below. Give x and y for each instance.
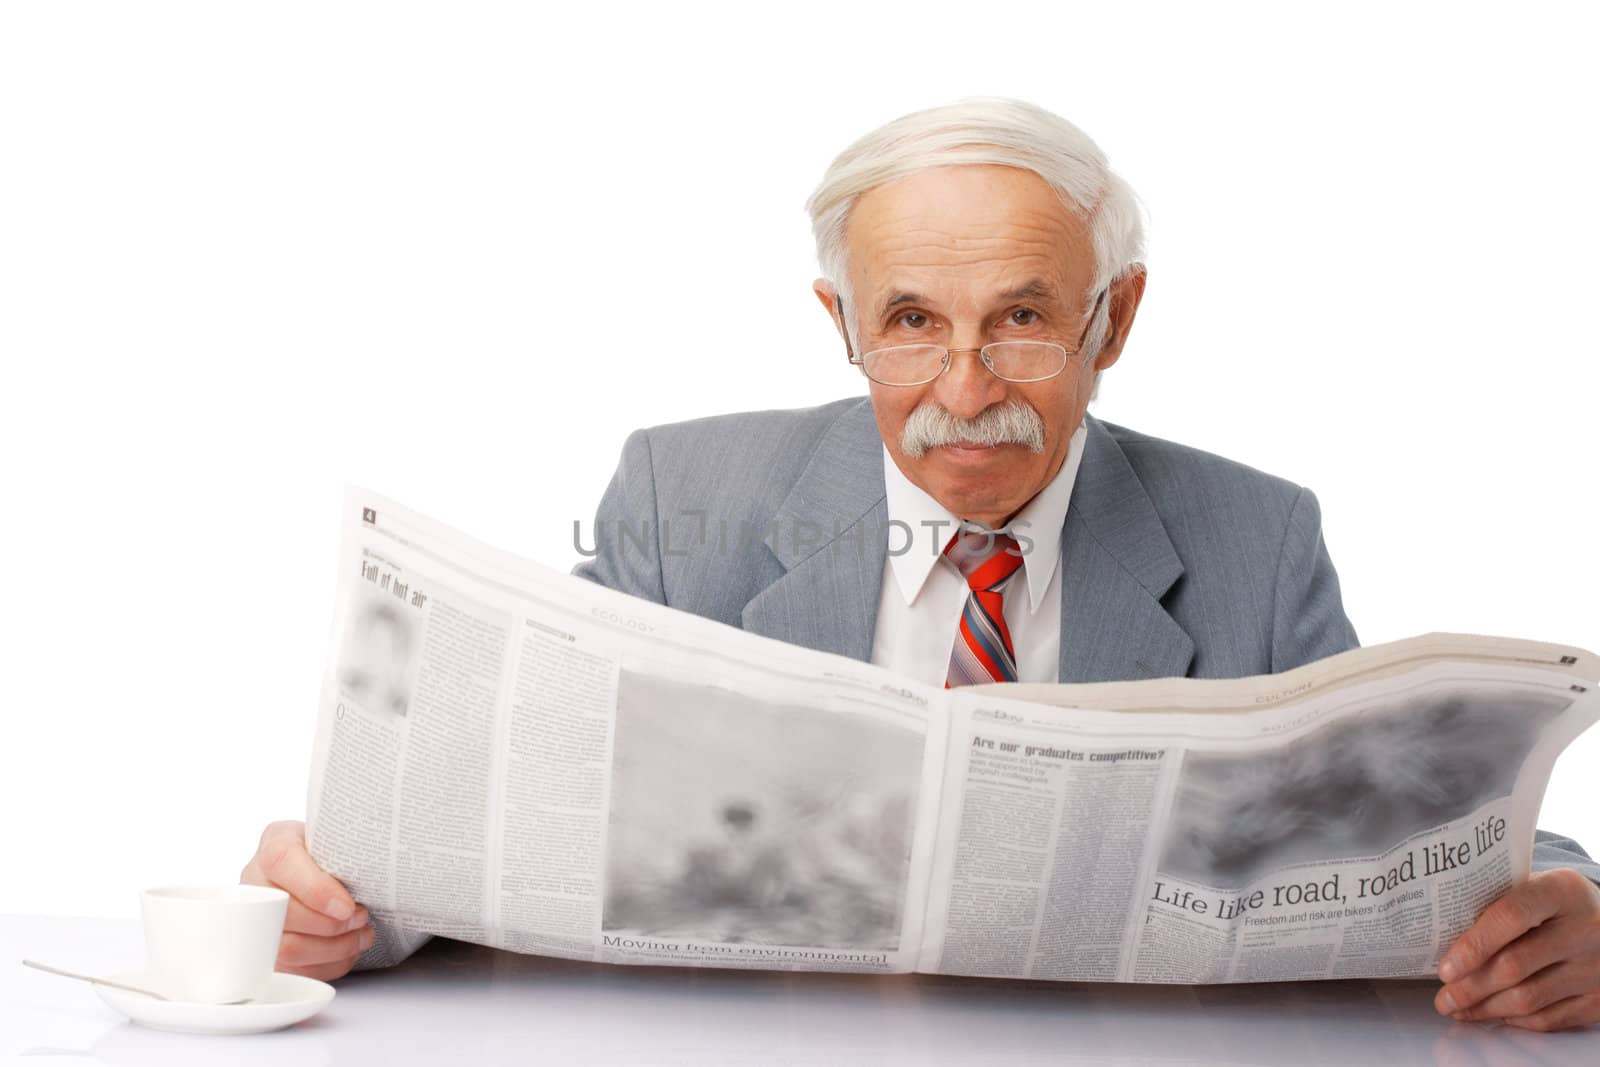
(923, 594)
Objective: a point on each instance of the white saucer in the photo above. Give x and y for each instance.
(289, 999)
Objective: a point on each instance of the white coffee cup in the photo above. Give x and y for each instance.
(210, 945)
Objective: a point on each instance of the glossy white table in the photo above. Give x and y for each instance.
(457, 1003)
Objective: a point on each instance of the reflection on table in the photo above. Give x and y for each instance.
(454, 1002)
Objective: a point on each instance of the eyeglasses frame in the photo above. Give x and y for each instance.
(983, 353)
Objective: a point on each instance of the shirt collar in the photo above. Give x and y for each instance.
(915, 543)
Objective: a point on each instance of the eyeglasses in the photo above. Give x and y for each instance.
(1011, 361)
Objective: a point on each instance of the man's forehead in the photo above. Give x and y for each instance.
(991, 232)
(972, 203)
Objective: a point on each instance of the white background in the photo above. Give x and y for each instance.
(456, 252)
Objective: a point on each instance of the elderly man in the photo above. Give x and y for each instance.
(969, 522)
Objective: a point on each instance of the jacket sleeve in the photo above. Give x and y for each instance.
(624, 548)
(1552, 850)
(1308, 620)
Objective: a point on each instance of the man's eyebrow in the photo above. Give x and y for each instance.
(900, 298)
(1032, 289)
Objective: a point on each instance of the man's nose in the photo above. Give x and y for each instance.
(968, 386)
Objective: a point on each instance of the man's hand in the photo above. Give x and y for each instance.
(325, 929)
(1532, 959)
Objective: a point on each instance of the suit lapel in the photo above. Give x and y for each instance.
(830, 536)
(1117, 562)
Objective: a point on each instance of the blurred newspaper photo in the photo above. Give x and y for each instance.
(518, 757)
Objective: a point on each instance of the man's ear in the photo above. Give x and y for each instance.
(1125, 294)
(830, 300)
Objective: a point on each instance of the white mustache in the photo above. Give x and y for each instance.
(930, 426)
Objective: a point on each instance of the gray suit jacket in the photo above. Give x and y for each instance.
(1175, 562)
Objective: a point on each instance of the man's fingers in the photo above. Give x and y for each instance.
(1564, 1015)
(1501, 923)
(1550, 986)
(286, 864)
(323, 972)
(302, 920)
(1511, 966)
(1539, 979)
(305, 950)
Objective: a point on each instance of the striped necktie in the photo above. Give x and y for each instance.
(983, 651)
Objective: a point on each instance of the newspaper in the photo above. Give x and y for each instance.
(518, 757)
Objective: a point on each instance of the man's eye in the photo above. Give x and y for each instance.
(1024, 311)
(905, 319)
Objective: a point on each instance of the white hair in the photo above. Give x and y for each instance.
(976, 130)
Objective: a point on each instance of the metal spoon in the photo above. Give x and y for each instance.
(108, 982)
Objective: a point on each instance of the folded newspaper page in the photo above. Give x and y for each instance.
(518, 757)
